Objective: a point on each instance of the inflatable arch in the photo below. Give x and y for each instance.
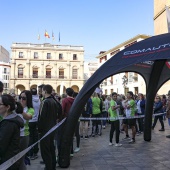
(150, 58)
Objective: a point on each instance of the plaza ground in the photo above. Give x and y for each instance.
(96, 154)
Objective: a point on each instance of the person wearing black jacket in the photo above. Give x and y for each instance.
(48, 117)
(10, 129)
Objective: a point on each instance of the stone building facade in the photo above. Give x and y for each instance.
(123, 82)
(5, 68)
(160, 20)
(161, 27)
(61, 66)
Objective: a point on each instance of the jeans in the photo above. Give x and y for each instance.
(96, 124)
(104, 114)
(33, 138)
(24, 140)
(169, 121)
(140, 123)
(77, 137)
(160, 120)
(115, 125)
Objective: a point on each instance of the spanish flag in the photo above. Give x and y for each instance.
(46, 34)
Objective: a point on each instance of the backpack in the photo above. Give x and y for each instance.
(59, 109)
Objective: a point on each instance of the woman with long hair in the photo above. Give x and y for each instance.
(28, 112)
(10, 129)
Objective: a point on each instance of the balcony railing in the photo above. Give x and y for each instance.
(74, 77)
(20, 76)
(35, 76)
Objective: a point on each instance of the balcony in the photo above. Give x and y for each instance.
(105, 83)
(74, 77)
(48, 76)
(135, 78)
(20, 76)
(35, 76)
(38, 77)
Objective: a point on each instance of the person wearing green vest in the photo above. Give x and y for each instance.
(114, 120)
(96, 112)
(130, 112)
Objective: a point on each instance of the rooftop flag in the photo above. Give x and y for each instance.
(168, 18)
(38, 36)
(46, 34)
(53, 35)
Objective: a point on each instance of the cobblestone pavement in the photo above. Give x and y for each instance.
(96, 154)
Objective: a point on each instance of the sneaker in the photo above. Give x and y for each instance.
(35, 156)
(77, 150)
(104, 127)
(93, 135)
(168, 136)
(110, 144)
(126, 138)
(100, 134)
(132, 141)
(81, 136)
(56, 159)
(71, 155)
(137, 134)
(86, 137)
(118, 144)
(121, 131)
(161, 129)
(42, 162)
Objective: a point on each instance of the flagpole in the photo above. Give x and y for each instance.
(45, 35)
(59, 37)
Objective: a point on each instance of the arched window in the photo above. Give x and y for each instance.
(61, 73)
(48, 71)
(20, 71)
(74, 73)
(35, 72)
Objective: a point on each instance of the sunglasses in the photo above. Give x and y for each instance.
(23, 98)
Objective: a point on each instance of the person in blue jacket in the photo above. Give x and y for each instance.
(140, 111)
(158, 108)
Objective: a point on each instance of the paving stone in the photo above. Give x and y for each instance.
(95, 154)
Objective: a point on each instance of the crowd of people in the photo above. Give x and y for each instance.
(29, 116)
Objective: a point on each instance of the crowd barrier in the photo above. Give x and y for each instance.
(12, 160)
(117, 118)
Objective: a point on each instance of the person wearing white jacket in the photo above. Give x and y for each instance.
(33, 124)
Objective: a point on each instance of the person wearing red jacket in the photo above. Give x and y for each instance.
(67, 102)
(66, 105)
